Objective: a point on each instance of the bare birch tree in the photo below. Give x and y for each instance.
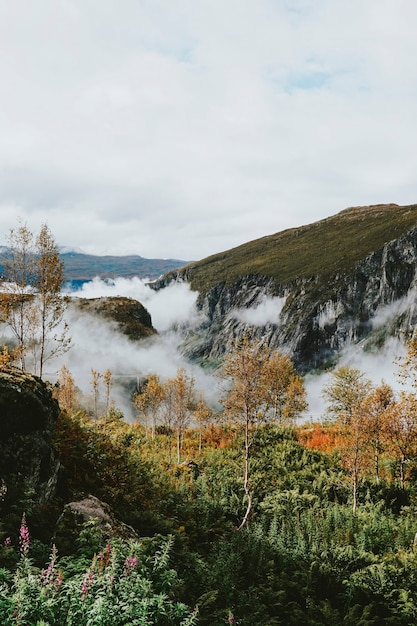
(16, 304)
(49, 278)
(32, 304)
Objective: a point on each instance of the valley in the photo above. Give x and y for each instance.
(233, 442)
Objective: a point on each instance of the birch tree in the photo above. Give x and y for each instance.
(149, 401)
(401, 425)
(375, 408)
(183, 401)
(65, 390)
(49, 278)
(16, 305)
(344, 393)
(32, 304)
(261, 386)
(203, 415)
(285, 393)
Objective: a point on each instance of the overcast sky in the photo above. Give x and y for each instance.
(181, 128)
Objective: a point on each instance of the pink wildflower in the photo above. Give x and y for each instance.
(48, 574)
(7, 542)
(24, 537)
(51, 577)
(87, 583)
(131, 562)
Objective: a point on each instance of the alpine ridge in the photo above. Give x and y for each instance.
(343, 280)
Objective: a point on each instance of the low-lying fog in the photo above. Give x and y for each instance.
(98, 345)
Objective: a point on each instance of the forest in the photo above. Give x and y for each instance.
(237, 514)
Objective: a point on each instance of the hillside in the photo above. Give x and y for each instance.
(101, 525)
(325, 248)
(324, 284)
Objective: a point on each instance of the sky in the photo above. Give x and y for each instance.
(182, 128)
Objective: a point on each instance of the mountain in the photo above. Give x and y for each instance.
(330, 283)
(80, 267)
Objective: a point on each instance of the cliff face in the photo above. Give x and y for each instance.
(314, 319)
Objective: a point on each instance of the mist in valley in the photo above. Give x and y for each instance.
(98, 344)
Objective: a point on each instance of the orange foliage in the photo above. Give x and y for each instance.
(218, 436)
(318, 437)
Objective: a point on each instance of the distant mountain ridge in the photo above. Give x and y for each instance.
(83, 267)
(80, 267)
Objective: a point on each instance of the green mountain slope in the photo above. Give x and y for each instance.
(325, 248)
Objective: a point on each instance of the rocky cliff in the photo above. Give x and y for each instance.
(367, 295)
(28, 461)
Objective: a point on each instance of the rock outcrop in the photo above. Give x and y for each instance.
(27, 417)
(131, 317)
(88, 510)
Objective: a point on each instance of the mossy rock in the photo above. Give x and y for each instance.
(26, 404)
(92, 513)
(28, 461)
(132, 318)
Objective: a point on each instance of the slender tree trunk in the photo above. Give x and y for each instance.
(246, 475)
(42, 341)
(402, 463)
(355, 472)
(169, 449)
(21, 339)
(376, 461)
(355, 490)
(178, 445)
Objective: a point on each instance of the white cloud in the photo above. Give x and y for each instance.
(175, 304)
(99, 345)
(179, 129)
(378, 367)
(266, 312)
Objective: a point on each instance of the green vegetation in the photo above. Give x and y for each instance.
(328, 538)
(304, 556)
(326, 248)
(124, 584)
(328, 530)
(253, 521)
